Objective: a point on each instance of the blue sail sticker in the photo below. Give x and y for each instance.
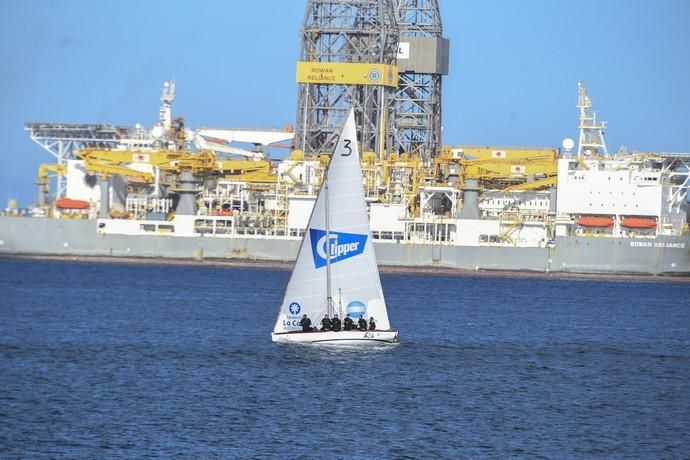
(343, 246)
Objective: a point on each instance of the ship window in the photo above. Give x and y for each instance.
(166, 228)
(147, 227)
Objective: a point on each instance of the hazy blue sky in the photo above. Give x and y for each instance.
(513, 77)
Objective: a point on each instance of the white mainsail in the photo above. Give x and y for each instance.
(354, 276)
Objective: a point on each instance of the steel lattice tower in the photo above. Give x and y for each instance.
(422, 61)
(348, 54)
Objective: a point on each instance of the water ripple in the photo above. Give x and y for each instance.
(178, 364)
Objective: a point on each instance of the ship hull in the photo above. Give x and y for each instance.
(663, 255)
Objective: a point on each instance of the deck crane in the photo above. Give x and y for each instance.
(43, 180)
(218, 140)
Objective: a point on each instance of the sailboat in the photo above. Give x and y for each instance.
(336, 271)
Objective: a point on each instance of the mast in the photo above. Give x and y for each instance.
(329, 298)
(591, 141)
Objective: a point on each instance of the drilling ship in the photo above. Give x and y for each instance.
(173, 191)
(177, 193)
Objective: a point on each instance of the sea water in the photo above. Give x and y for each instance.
(169, 361)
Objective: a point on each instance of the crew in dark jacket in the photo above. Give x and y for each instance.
(326, 324)
(335, 323)
(362, 323)
(372, 324)
(348, 324)
(305, 323)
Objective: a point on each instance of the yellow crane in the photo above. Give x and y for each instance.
(202, 163)
(502, 168)
(114, 162)
(43, 180)
(253, 171)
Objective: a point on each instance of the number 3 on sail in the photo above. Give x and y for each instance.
(334, 294)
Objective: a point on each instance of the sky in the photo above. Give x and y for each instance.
(514, 68)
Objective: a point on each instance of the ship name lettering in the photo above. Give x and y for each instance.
(663, 244)
(641, 244)
(669, 245)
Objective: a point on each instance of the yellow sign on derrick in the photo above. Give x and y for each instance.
(347, 73)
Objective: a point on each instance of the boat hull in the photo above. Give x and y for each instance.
(340, 337)
(663, 255)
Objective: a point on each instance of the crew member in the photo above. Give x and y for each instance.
(372, 324)
(305, 322)
(326, 323)
(335, 323)
(362, 323)
(348, 324)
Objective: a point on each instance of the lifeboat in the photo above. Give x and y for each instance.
(639, 222)
(119, 214)
(69, 203)
(223, 212)
(595, 221)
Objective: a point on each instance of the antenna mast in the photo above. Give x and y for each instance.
(591, 141)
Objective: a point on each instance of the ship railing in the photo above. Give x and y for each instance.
(244, 224)
(388, 236)
(430, 232)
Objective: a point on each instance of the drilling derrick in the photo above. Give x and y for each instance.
(348, 53)
(422, 61)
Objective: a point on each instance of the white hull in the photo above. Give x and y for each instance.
(341, 337)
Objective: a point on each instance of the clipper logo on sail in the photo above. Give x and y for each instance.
(343, 246)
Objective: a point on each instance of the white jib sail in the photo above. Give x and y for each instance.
(355, 282)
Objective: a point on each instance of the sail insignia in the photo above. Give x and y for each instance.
(342, 246)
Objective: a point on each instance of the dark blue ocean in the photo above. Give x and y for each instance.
(104, 360)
